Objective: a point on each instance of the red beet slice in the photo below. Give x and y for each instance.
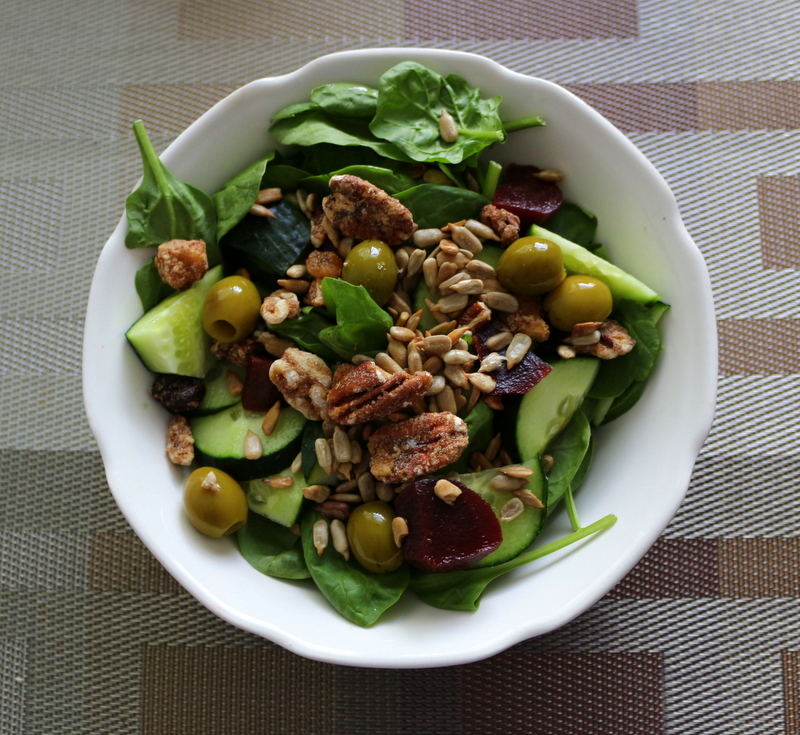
(259, 392)
(522, 377)
(533, 201)
(442, 537)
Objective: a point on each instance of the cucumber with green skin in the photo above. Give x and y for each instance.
(217, 395)
(219, 441)
(282, 504)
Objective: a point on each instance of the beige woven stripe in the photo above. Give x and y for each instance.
(779, 218)
(759, 567)
(211, 691)
(120, 562)
(243, 19)
(777, 343)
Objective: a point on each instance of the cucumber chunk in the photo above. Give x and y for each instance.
(282, 504)
(548, 406)
(170, 337)
(521, 532)
(217, 394)
(219, 441)
(579, 260)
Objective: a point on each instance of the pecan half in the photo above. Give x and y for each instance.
(363, 211)
(237, 352)
(528, 319)
(366, 392)
(180, 442)
(303, 379)
(614, 342)
(416, 447)
(504, 224)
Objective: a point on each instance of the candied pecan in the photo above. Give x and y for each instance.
(363, 211)
(178, 393)
(416, 447)
(279, 306)
(237, 352)
(367, 392)
(180, 442)
(318, 233)
(504, 224)
(528, 319)
(303, 379)
(324, 263)
(313, 296)
(614, 342)
(181, 262)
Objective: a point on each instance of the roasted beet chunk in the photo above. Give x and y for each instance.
(533, 201)
(522, 377)
(178, 393)
(444, 537)
(259, 392)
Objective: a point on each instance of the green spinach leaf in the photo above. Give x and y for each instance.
(283, 176)
(164, 208)
(383, 178)
(294, 109)
(342, 99)
(267, 246)
(308, 451)
(271, 548)
(567, 449)
(410, 102)
(361, 325)
(574, 224)
(305, 331)
(319, 159)
(235, 198)
(463, 590)
(359, 595)
(151, 289)
(434, 205)
(625, 401)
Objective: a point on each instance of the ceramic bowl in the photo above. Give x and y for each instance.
(643, 461)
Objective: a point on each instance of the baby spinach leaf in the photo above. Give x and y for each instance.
(308, 452)
(434, 205)
(267, 246)
(567, 449)
(582, 471)
(625, 401)
(463, 590)
(383, 178)
(294, 109)
(164, 208)
(305, 332)
(359, 595)
(319, 159)
(235, 198)
(343, 99)
(271, 548)
(151, 289)
(283, 176)
(361, 325)
(410, 102)
(574, 224)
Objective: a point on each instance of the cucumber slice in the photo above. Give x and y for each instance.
(217, 394)
(219, 441)
(170, 337)
(282, 504)
(579, 260)
(521, 532)
(548, 406)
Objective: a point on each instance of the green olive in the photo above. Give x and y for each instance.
(369, 533)
(578, 299)
(216, 505)
(371, 264)
(231, 309)
(531, 266)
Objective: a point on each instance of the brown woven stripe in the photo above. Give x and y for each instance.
(760, 567)
(487, 20)
(233, 691)
(791, 691)
(779, 218)
(674, 567)
(748, 105)
(777, 341)
(557, 693)
(120, 562)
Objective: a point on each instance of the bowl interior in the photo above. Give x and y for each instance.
(642, 462)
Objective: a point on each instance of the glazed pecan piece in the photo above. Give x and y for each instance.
(614, 342)
(237, 352)
(303, 379)
(361, 210)
(504, 224)
(417, 446)
(181, 262)
(366, 392)
(528, 319)
(180, 442)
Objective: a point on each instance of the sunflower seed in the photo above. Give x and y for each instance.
(297, 463)
(466, 239)
(319, 535)
(436, 344)
(345, 246)
(430, 272)
(414, 358)
(547, 463)
(233, 383)
(384, 492)
(339, 537)
(549, 174)
(501, 301)
(467, 285)
(277, 482)
(398, 352)
(456, 376)
(296, 271)
(483, 382)
(493, 447)
(252, 446)
(458, 357)
(403, 334)
(480, 230)
(324, 455)
(386, 362)
(413, 320)
(210, 482)
(493, 361)
(356, 452)
(511, 510)
(528, 498)
(517, 470)
(437, 385)
(341, 446)
(427, 238)
(316, 493)
(295, 285)
(447, 400)
(415, 262)
(479, 269)
(399, 530)
(271, 419)
(261, 211)
(447, 491)
(448, 130)
(444, 286)
(401, 258)
(565, 352)
(517, 349)
(499, 340)
(366, 487)
(446, 270)
(452, 303)
(443, 328)
(346, 497)
(267, 196)
(432, 365)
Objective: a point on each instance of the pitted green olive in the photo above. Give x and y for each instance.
(531, 266)
(215, 503)
(371, 264)
(578, 299)
(369, 533)
(231, 309)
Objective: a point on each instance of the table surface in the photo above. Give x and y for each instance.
(701, 637)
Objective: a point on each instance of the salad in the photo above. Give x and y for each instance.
(384, 354)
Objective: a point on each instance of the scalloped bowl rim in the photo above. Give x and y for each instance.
(647, 489)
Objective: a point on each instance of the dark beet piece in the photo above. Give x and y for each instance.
(259, 392)
(442, 537)
(522, 377)
(533, 201)
(178, 393)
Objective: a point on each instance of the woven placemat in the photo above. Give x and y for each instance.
(702, 636)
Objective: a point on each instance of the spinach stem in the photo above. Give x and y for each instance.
(153, 162)
(482, 134)
(492, 179)
(525, 122)
(572, 511)
(445, 169)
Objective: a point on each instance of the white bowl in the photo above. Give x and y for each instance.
(643, 461)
